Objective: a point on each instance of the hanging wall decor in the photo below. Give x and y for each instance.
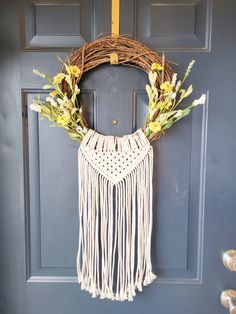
(115, 173)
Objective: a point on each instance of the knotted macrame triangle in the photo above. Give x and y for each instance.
(115, 209)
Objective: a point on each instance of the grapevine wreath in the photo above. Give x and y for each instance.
(115, 173)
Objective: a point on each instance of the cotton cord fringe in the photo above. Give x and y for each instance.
(115, 211)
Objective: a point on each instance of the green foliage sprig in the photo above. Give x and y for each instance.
(60, 108)
(164, 101)
(64, 110)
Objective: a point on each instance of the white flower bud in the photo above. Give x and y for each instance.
(200, 101)
(35, 107)
(52, 101)
(37, 72)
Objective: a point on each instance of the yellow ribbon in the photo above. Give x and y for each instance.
(115, 18)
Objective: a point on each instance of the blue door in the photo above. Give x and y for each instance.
(194, 163)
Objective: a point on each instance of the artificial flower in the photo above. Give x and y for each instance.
(58, 78)
(63, 119)
(188, 70)
(47, 86)
(152, 78)
(199, 101)
(74, 70)
(190, 67)
(155, 127)
(53, 93)
(35, 107)
(167, 87)
(168, 104)
(37, 72)
(174, 78)
(157, 66)
(52, 101)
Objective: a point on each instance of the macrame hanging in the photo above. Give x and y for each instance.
(115, 204)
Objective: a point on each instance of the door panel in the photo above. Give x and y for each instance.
(194, 173)
(61, 24)
(181, 25)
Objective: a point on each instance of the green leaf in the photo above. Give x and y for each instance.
(66, 66)
(74, 110)
(74, 136)
(47, 86)
(69, 81)
(188, 91)
(185, 112)
(152, 78)
(165, 116)
(148, 90)
(60, 101)
(167, 125)
(48, 78)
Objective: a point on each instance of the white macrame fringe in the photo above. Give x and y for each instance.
(114, 253)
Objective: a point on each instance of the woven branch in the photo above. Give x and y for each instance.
(130, 52)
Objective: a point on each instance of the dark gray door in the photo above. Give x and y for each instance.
(194, 171)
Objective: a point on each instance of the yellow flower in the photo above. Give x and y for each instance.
(63, 120)
(157, 66)
(74, 70)
(58, 78)
(155, 127)
(168, 104)
(167, 87)
(53, 93)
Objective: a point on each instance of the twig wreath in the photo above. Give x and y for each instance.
(115, 173)
(165, 92)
